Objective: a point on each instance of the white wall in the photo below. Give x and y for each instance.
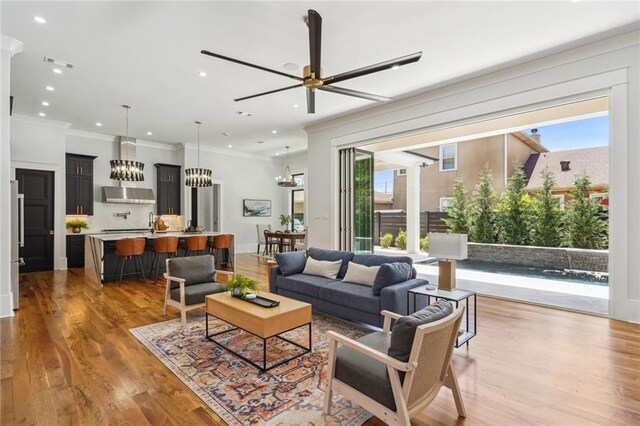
(609, 67)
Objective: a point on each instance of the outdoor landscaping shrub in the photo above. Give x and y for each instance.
(513, 212)
(583, 226)
(482, 229)
(424, 243)
(401, 240)
(386, 240)
(458, 214)
(546, 220)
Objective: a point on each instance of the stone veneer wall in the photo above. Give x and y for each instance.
(541, 257)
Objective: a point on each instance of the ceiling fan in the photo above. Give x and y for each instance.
(312, 78)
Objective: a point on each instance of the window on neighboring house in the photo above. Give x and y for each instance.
(448, 157)
(402, 172)
(299, 178)
(445, 203)
(561, 198)
(601, 198)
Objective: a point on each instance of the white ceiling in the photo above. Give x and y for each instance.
(146, 54)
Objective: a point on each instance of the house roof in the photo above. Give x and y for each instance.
(593, 161)
(382, 198)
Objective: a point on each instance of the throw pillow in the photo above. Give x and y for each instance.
(332, 255)
(322, 268)
(292, 262)
(361, 274)
(404, 329)
(389, 274)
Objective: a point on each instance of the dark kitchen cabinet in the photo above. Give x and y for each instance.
(79, 178)
(75, 251)
(168, 189)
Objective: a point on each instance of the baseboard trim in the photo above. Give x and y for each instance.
(6, 305)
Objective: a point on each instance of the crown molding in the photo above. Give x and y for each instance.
(40, 121)
(11, 44)
(228, 152)
(91, 135)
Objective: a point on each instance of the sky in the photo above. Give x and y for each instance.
(585, 133)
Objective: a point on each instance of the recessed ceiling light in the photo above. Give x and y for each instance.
(99, 124)
(277, 153)
(45, 103)
(57, 71)
(149, 133)
(42, 114)
(230, 146)
(290, 66)
(39, 19)
(296, 105)
(202, 74)
(226, 134)
(274, 131)
(50, 88)
(395, 67)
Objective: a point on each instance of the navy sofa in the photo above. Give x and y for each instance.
(354, 302)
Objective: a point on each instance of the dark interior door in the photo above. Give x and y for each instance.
(37, 187)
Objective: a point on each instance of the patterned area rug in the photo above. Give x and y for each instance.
(239, 393)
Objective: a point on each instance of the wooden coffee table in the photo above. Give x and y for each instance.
(262, 322)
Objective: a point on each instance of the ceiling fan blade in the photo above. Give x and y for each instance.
(355, 93)
(237, 61)
(315, 41)
(311, 101)
(269, 92)
(403, 60)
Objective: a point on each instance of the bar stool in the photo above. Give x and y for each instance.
(129, 248)
(163, 245)
(196, 244)
(223, 242)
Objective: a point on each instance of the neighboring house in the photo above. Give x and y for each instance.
(382, 201)
(466, 160)
(565, 165)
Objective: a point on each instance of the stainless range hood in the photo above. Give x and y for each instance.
(127, 193)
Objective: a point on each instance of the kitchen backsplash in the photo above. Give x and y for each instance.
(105, 217)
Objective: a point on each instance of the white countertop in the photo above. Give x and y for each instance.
(149, 235)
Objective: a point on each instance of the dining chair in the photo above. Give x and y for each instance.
(261, 238)
(272, 242)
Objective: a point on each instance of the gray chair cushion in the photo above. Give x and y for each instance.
(333, 255)
(364, 374)
(391, 273)
(404, 329)
(196, 293)
(379, 259)
(194, 269)
(303, 284)
(354, 296)
(291, 262)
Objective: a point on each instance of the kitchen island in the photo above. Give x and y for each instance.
(102, 263)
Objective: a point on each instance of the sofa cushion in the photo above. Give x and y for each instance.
(360, 274)
(332, 255)
(292, 262)
(389, 274)
(404, 329)
(365, 374)
(194, 269)
(354, 296)
(322, 268)
(304, 284)
(379, 259)
(196, 293)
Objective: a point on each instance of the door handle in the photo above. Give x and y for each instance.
(77, 210)
(21, 218)
(81, 170)
(51, 232)
(81, 210)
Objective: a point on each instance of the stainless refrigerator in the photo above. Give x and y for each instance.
(17, 240)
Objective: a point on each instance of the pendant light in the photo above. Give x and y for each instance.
(287, 181)
(125, 169)
(198, 178)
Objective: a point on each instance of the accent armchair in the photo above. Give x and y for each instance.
(189, 281)
(392, 385)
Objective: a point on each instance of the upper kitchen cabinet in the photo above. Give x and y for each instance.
(168, 189)
(79, 199)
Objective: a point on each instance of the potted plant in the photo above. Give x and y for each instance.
(76, 225)
(239, 285)
(285, 220)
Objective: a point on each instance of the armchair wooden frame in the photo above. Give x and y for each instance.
(181, 305)
(424, 374)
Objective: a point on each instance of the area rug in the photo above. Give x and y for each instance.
(291, 394)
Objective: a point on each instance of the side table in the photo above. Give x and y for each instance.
(456, 295)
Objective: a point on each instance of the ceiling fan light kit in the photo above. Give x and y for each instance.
(197, 177)
(312, 78)
(127, 170)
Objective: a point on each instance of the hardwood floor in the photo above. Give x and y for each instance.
(68, 358)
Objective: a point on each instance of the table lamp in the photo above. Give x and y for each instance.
(447, 248)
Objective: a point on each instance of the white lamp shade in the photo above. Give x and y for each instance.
(448, 246)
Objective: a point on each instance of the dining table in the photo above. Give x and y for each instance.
(285, 240)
